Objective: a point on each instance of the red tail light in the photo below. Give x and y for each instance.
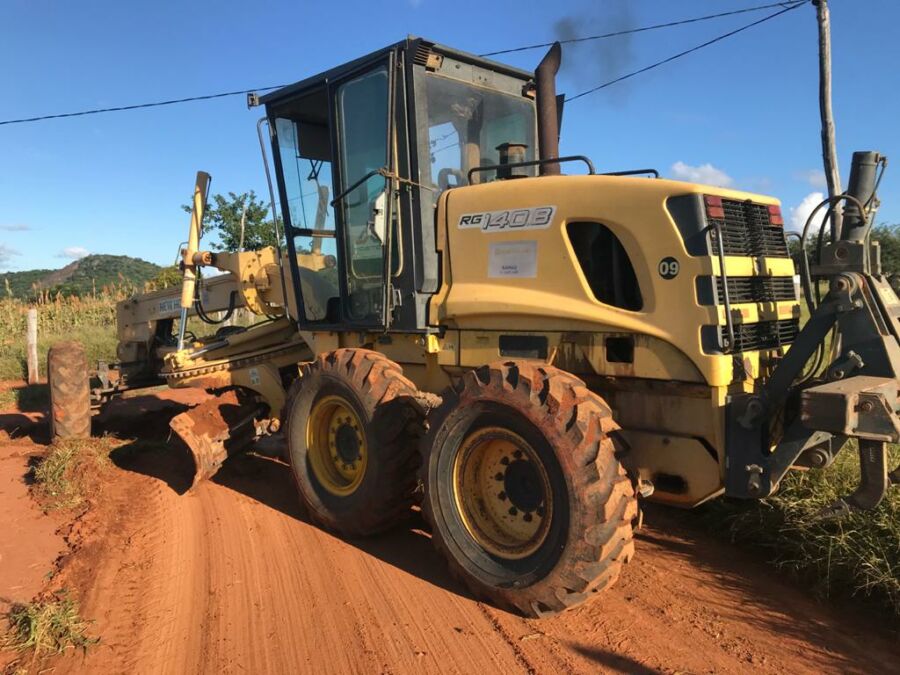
(714, 208)
(775, 215)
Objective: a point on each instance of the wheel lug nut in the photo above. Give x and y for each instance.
(499, 476)
(501, 496)
(513, 511)
(504, 461)
(527, 517)
(540, 512)
(517, 454)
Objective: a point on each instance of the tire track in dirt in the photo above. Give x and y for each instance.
(214, 581)
(231, 578)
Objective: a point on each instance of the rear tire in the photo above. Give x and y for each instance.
(70, 391)
(524, 492)
(352, 429)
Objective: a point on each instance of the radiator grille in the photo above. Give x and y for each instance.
(756, 289)
(762, 335)
(747, 231)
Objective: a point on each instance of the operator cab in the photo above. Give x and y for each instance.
(362, 152)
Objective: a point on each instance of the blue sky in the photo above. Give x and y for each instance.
(742, 112)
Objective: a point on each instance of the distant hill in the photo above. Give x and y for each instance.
(82, 276)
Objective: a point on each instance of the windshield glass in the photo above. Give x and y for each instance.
(465, 124)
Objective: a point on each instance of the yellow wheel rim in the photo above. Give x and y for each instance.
(336, 445)
(503, 493)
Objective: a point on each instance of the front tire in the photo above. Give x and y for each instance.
(524, 492)
(352, 424)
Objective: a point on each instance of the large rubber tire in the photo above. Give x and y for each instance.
(571, 430)
(70, 391)
(384, 402)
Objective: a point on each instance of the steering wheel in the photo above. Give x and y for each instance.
(444, 178)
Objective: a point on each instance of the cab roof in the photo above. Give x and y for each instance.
(419, 47)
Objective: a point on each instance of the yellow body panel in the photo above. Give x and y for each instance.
(670, 399)
(559, 298)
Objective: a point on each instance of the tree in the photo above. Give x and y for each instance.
(168, 276)
(889, 238)
(223, 217)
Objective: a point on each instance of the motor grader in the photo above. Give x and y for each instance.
(452, 322)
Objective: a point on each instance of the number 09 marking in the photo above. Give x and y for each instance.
(669, 268)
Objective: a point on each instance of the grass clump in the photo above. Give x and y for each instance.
(47, 627)
(857, 555)
(68, 472)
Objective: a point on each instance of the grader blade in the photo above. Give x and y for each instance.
(215, 430)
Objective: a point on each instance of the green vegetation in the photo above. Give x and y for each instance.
(90, 319)
(68, 473)
(223, 217)
(47, 627)
(167, 277)
(889, 238)
(855, 555)
(90, 275)
(21, 284)
(26, 397)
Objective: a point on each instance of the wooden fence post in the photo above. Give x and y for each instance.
(31, 343)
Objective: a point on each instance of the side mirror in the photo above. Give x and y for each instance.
(376, 222)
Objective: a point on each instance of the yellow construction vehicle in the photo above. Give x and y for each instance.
(523, 353)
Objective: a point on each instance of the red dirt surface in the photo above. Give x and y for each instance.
(231, 577)
(29, 543)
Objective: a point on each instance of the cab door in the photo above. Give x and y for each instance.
(364, 204)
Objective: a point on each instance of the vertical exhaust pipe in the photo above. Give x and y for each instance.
(548, 121)
(863, 174)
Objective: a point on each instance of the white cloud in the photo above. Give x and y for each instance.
(14, 227)
(73, 252)
(800, 213)
(705, 173)
(6, 254)
(815, 177)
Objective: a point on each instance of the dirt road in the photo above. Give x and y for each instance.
(231, 578)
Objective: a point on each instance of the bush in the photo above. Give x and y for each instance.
(855, 555)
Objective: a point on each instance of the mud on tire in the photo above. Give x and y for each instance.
(383, 401)
(70, 392)
(589, 535)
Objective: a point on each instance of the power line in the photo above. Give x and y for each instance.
(787, 5)
(685, 52)
(670, 24)
(138, 106)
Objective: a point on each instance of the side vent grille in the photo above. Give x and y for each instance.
(750, 337)
(423, 54)
(757, 289)
(747, 229)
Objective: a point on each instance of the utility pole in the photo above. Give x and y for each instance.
(829, 146)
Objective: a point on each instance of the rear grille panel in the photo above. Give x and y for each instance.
(762, 335)
(756, 289)
(747, 231)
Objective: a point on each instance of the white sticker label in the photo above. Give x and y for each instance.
(254, 376)
(537, 218)
(513, 259)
